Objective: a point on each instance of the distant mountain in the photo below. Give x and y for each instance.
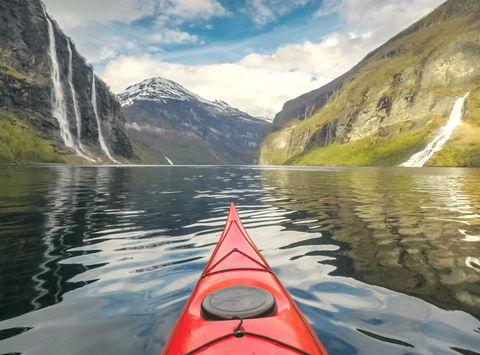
(52, 106)
(167, 122)
(394, 102)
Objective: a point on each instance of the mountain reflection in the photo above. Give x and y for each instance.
(55, 210)
(416, 232)
(55, 222)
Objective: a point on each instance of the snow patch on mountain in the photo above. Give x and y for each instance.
(156, 89)
(162, 90)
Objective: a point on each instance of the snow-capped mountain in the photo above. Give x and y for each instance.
(157, 90)
(161, 90)
(166, 119)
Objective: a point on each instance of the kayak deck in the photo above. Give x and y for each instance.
(237, 261)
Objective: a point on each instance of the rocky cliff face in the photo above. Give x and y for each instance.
(165, 120)
(27, 87)
(393, 102)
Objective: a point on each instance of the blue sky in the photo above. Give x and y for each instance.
(253, 54)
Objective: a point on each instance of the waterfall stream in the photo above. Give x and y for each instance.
(103, 144)
(420, 159)
(168, 159)
(59, 108)
(75, 104)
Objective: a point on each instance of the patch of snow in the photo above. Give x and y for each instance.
(160, 90)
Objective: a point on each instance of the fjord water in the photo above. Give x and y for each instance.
(101, 260)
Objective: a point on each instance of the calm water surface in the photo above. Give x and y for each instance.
(100, 260)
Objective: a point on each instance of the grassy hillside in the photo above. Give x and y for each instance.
(392, 107)
(368, 151)
(181, 149)
(20, 144)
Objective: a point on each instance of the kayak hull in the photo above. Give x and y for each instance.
(236, 261)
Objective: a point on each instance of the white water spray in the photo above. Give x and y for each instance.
(103, 145)
(59, 111)
(169, 161)
(75, 104)
(420, 159)
(59, 108)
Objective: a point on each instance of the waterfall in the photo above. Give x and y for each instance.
(75, 103)
(59, 108)
(169, 161)
(420, 159)
(101, 140)
(59, 111)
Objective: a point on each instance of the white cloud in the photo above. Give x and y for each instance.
(261, 83)
(84, 20)
(184, 10)
(107, 53)
(172, 36)
(79, 13)
(257, 84)
(256, 90)
(383, 19)
(328, 7)
(265, 11)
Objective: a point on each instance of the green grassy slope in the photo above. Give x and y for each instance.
(368, 151)
(20, 144)
(409, 52)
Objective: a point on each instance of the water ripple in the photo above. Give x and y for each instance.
(103, 259)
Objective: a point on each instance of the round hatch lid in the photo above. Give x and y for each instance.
(238, 302)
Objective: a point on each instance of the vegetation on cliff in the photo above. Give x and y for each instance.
(398, 96)
(20, 144)
(368, 151)
(27, 90)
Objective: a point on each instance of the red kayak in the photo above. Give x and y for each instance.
(239, 306)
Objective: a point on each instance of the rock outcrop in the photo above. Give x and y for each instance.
(167, 123)
(27, 91)
(393, 102)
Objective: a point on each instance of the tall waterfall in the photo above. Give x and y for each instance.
(75, 104)
(103, 144)
(420, 159)
(59, 108)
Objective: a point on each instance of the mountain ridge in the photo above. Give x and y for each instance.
(306, 105)
(394, 102)
(165, 119)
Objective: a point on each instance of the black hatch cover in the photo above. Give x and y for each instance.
(238, 302)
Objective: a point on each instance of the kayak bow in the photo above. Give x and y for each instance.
(239, 306)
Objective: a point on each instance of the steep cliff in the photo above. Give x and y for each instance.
(47, 85)
(168, 123)
(393, 102)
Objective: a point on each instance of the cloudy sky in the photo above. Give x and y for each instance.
(253, 54)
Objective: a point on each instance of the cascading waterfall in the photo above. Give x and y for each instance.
(103, 145)
(167, 159)
(75, 103)
(420, 159)
(59, 108)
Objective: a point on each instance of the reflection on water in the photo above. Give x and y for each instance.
(102, 259)
(416, 233)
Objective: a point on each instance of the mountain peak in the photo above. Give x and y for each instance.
(168, 120)
(155, 89)
(162, 90)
